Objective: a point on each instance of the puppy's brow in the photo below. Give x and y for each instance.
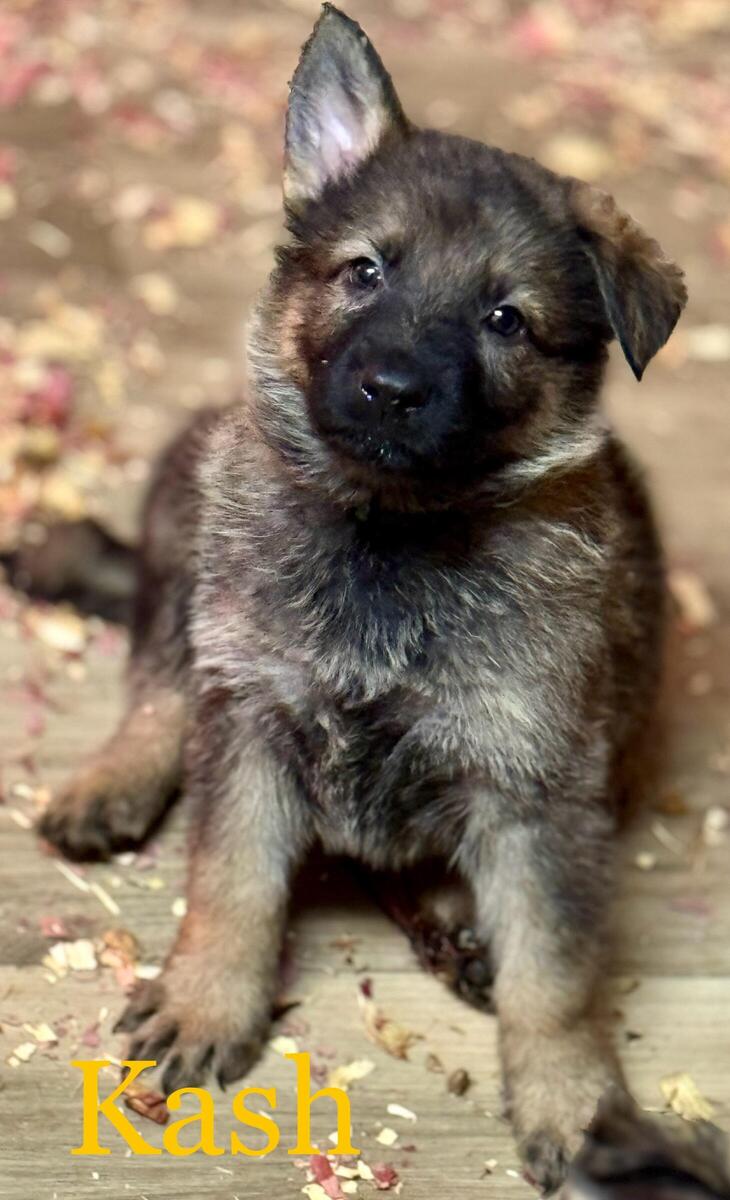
(356, 247)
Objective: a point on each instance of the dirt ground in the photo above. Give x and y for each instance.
(139, 201)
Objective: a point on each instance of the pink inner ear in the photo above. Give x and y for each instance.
(345, 136)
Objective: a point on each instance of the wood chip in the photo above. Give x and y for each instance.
(397, 1110)
(24, 1051)
(72, 876)
(42, 1033)
(104, 898)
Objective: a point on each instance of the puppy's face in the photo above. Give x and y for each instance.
(442, 313)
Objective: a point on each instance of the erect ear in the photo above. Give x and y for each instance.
(643, 292)
(342, 103)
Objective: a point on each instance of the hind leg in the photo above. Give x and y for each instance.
(435, 909)
(119, 795)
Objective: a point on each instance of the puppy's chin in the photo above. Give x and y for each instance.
(398, 480)
(373, 458)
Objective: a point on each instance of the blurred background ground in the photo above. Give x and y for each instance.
(140, 149)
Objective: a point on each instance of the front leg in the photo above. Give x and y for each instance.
(541, 892)
(210, 1008)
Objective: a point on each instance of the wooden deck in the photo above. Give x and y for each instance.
(670, 978)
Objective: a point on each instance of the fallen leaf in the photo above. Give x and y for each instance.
(53, 927)
(147, 1103)
(42, 1033)
(23, 1052)
(708, 343)
(645, 860)
(284, 1045)
(384, 1177)
(343, 1076)
(71, 956)
(157, 292)
(575, 154)
(58, 628)
(8, 201)
(189, 221)
(696, 607)
(458, 1082)
(684, 1097)
(395, 1039)
(715, 826)
(91, 1037)
(120, 951)
(324, 1175)
(50, 239)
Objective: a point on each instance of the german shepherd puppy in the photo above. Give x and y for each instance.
(405, 600)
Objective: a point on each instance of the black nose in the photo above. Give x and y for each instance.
(396, 388)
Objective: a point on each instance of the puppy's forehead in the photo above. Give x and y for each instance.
(447, 204)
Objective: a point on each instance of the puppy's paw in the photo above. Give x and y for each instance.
(193, 1033)
(100, 813)
(546, 1156)
(554, 1087)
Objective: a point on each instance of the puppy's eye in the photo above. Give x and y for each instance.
(505, 320)
(364, 274)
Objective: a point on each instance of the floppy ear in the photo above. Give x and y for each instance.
(342, 103)
(643, 292)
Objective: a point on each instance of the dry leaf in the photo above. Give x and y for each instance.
(58, 628)
(458, 1082)
(708, 343)
(395, 1039)
(283, 1045)
(385, 1177)
(645, 860)
(157, 292)
(575, 154)
(42, 1033)
(8, 201)
(120, 951)
(696, 608)
(71, 334)
(23, 1052)
(342, 1077)
(189, 221)
(147, 1103)
(71, 956)
(715, 826)
(684, 1097)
